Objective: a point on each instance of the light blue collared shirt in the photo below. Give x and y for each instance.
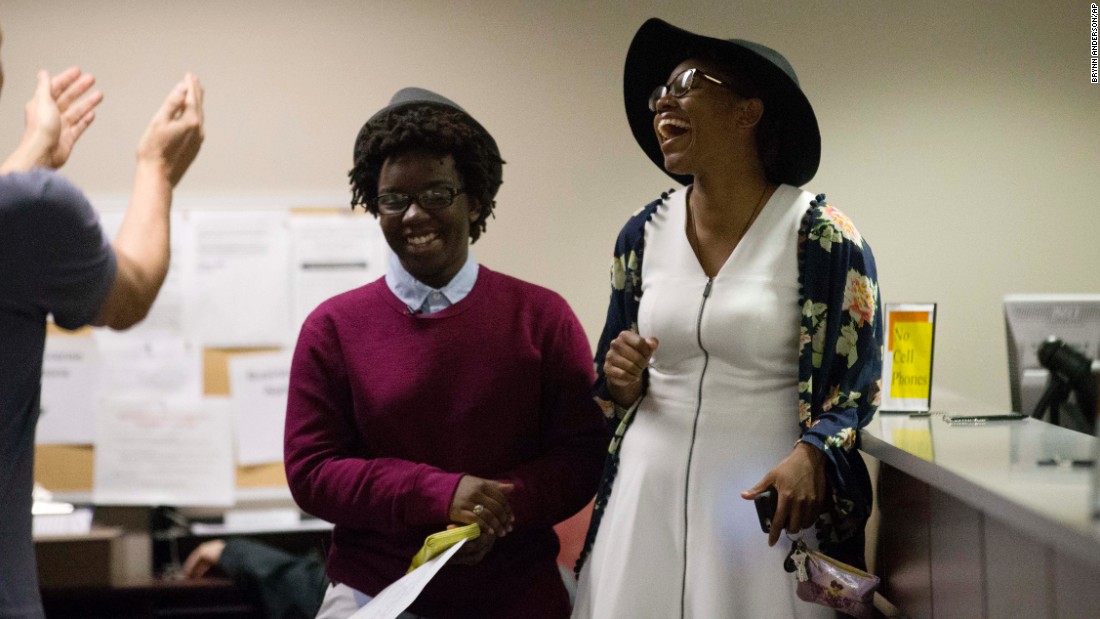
(422, 298)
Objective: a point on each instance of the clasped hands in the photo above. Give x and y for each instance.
(799, 478)
(485, 502)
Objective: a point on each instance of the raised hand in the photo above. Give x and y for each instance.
(74, 111)
(54, 119)
(174, 135)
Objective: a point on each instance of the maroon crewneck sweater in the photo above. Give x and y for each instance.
(388, 410)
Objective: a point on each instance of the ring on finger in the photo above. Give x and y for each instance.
(478, 509)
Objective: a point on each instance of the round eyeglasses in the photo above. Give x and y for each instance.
(433, 199)
(680, 86)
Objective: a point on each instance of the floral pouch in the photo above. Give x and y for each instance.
(826, 581)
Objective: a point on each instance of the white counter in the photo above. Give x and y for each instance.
(995, 469)
(972, 524)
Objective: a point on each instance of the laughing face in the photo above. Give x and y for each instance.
(693, 130)
(432, 245)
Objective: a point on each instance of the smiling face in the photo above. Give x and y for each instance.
(697, 130)
(432, 245)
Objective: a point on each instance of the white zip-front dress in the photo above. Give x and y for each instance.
(677, 540)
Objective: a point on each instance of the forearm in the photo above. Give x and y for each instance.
(327, 468)
(30, 153)
(382, 494)
(144, 232)
(142, 248)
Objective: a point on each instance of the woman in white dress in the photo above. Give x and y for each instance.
(743, 352)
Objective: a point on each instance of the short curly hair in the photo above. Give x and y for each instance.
(438, 129)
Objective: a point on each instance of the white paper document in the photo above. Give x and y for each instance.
(151, 366)
(258, 384)
(164, 452)
(332, 254)
(71, 388)
(394, 599)
(238, 292)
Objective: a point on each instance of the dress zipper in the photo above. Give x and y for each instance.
(691, 446)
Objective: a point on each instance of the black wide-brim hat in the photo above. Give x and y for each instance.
(658, 47)
(414, 97)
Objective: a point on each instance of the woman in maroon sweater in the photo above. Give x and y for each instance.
(444, 393)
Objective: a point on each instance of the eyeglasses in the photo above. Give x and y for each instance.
(680, 86)
(433, 199)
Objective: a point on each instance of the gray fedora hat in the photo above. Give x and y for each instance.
(413, 97)
(659, 46)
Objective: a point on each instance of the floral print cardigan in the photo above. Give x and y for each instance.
(839, 362)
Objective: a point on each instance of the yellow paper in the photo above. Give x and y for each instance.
(436, 543)
(912, 360)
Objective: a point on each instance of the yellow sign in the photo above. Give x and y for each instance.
(907, 368)
(911, 375)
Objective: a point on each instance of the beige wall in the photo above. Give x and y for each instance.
(963, 140)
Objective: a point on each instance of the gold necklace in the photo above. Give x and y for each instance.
(693, 239)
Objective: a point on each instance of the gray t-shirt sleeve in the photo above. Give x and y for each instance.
(54, 256)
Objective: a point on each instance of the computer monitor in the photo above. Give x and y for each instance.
(1033, 318)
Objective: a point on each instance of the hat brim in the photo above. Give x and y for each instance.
(658, 47)
(420, 97)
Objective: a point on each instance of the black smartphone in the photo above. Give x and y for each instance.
(766, 503)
